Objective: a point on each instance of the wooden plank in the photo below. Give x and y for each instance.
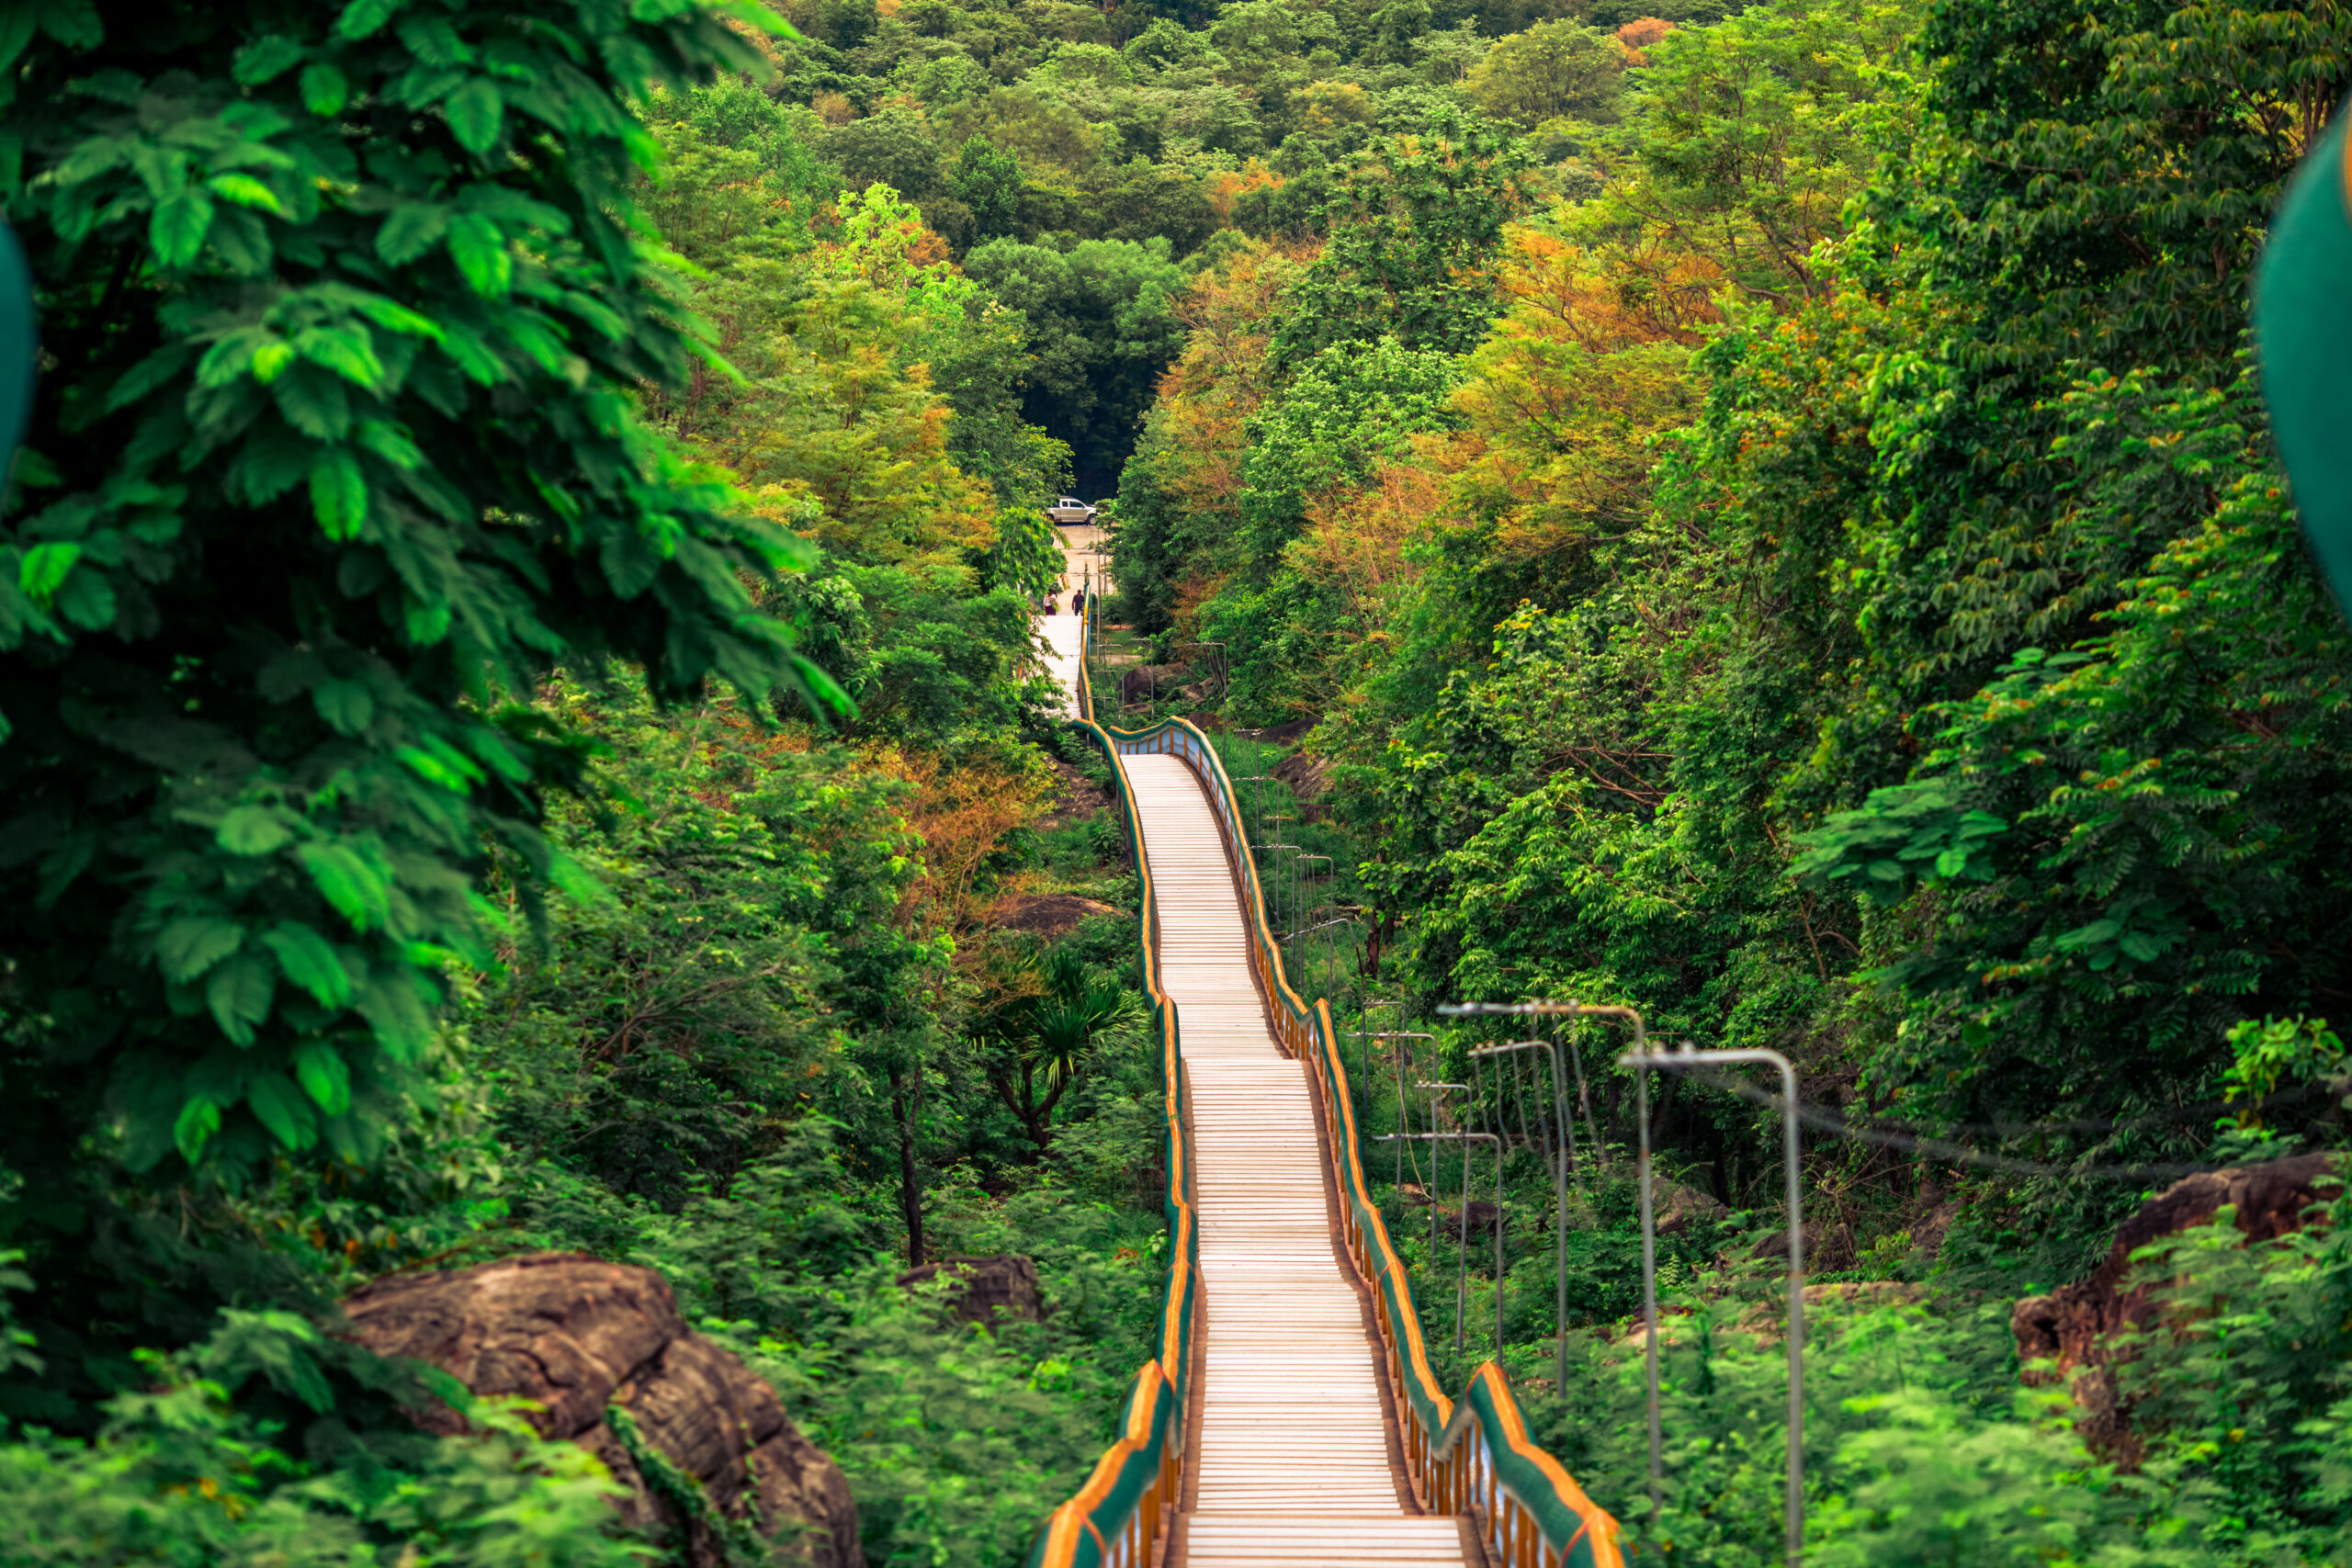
(1294, 1466)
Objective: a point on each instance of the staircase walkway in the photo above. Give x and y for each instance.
(1291, 1464)
(1062, 634)
(1293, 1452)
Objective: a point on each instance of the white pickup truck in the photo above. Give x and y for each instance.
(1070, 508)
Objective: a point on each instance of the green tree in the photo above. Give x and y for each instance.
(1751, 136)
(893, 148)
(1101, 327)
(1411, 238)
(738, 195)
(1043, 1038)
(2102, 869)
(1348, 407)
(1553, 70)
(335, 452)
(988, 180)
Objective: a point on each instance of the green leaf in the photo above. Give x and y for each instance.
(426, 621)
(434, 770)
(44, 569)
(364, 16)
(193, 943)
(324, 92)
(265, 59)
(198, 1120)
(410, 229)
(325, 1076)
(314, 402)
(283, 1109)
(472, 355)
(240, 992)
(252, 830)
(178, 229)
(2140, 945)
(348, 705)
(2092, 935)
(577, 881)
(88, 600)
(479, 247)
(394, 317)
(15, 32)
(477, 114)
(391, 443)
(339, 494)
(1951, 863)
(348, 883)
(74, 23)
(631, 562)
(346, 350)
(311, 961)
(245, 191)
(396, 1014)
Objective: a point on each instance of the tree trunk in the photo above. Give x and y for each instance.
(906, 1106)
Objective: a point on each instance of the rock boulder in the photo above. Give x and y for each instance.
(986, 1289)
(2073, 1324)
(1309, 778)
(577, 1336)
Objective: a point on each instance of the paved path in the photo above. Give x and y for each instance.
(1293, 1455)
(1293, 1467)
(1061, 636)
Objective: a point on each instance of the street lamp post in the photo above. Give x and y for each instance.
(1397, 1050)
(1304, 912)
(1273, 911)
(1560, 1221)
(1546, 1007)
(1258, 795)
(1690, 1056)
(1461, 1223)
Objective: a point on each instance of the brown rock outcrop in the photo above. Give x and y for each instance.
(1829, 1245)
(986, 1289)
(1074, 795)
(577, 1335)
(1677, 1208)
(1287, 733)
(1474, 1219)
(1309, 778)
(2073, 1324)
(1045, 914)
(1142, 682)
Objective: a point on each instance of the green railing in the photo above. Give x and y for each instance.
(1127, 1501)
(1471, 1457)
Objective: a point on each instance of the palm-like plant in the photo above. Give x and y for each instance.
(1040, 1039)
